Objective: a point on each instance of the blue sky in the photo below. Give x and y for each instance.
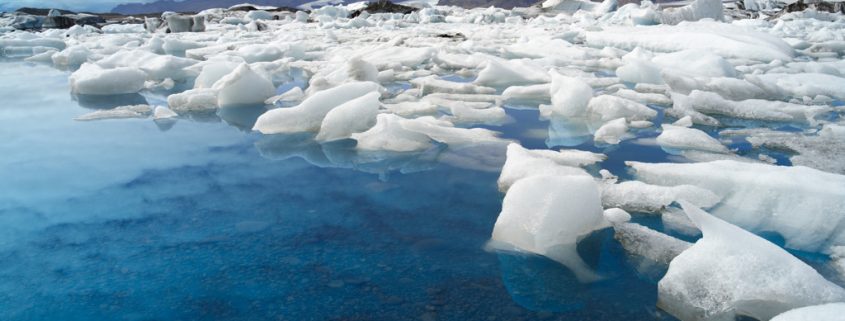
(76, 5)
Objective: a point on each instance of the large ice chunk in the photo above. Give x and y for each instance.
(611, 132)
(808, 84)
(644, 242)
(389, 135)
(804, 205)
(726, 40)
(679, 137)
(569, 97)
(503, 73)
(606, 108)
(194, 100)
(697, 10)
(547, 215)
(308, 115)
(354, 116)
(243, 86)
(157, 67)
(712, 103)
(135, 111)
(823, 312)
(92, 79)
(730, 272)
(636, 196)
(697, 62)
(522, 163)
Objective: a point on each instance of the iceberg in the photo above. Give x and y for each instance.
(521, 163)
(697, 10)
(354, 116)
(605, 108)
(717, 280)
(91, 79)
(636, 196)
(308, 115)
(822, 312)
(243, 86)
(135, 111)
(390, 135)
(611, 132)
(678, 137)
(569, 97)
(802, 204)
(503, 73)
(194, 100)
(547, 215)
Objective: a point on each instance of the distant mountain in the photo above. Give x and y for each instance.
(196, 5)
(199, 5)
(505, 4)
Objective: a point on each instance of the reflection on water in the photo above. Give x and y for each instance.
(198, 218)
(109, 101)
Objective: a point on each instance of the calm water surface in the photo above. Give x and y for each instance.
(201, 219)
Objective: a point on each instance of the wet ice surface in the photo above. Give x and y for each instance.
(128, 219)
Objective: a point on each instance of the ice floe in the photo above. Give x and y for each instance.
(548, 214)
(716, 279)
(792, 201)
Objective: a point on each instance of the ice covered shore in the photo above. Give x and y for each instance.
(722, 98)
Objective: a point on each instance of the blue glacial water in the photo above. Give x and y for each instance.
(201, 219)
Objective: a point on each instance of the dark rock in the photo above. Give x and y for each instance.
(176, 23)
(822, 6)
(384, 6)
(199, 5)
(243, 7)
(457, 35)
(89, 20)
(27, 22)
(832, 7)
(58, 22)
(42, 12)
